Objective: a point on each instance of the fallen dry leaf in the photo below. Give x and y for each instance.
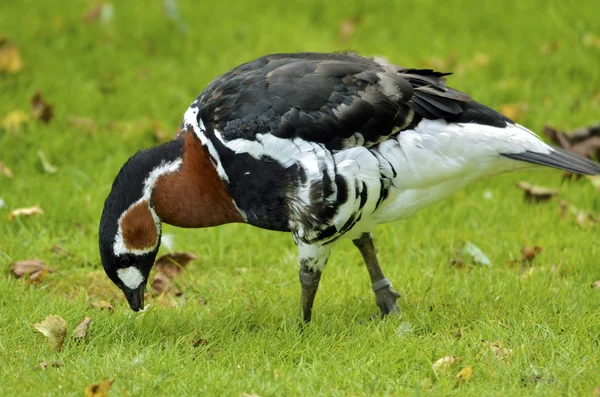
(42, 365)
(528, 253)
(104, 305)
(596, 392)
(98, 389)
(160, 284)
(464, 375)
(13, 121)
(514, 111)
(54, 327)
(444, 363)
(200, 342)
(458, 334)
(501, 352)
(172, 264)
(34, 268)
(4, 170)
(347, 28)
(81, 331)
(536, 194)
(40, 109)
(29, 211)
(10, 59)
(583, 141)
(48, 168)
(595, 284)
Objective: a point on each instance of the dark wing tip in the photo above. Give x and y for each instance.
(559, 158)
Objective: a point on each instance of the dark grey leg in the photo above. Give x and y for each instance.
(310, 283)
(313, 259)
(384, 294)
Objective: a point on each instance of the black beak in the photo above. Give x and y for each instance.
(135, 297)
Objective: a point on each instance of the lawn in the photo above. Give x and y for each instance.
(118, 77)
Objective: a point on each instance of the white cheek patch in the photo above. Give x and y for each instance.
(131, 277)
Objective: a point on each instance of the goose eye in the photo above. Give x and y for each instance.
(124, 262)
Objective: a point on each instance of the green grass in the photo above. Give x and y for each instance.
(141, 68)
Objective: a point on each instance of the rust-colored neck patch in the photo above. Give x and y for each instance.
(138, 227)
(195, 196)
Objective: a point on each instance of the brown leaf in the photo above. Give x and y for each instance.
(104, 305)
(346, 29)
(55, 329)
(596, 392)
(464, 375)
(172, 264)
(514, 111)
(29, 211)
(40, 109)
(34, 268)
(444, 363)
(42, 365)
(160, 284)
(458, 334)
(536, 194)
(98, 389)
(595, 284)
(583, 141)
(81, 331)
(200, 342)
(4, 170)
(14, 120)
(528, 253)
(10, 59)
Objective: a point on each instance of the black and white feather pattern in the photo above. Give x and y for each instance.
(330, 145)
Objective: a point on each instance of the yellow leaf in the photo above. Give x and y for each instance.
(596, 392)
(10, 59)
(98, 389)
(14, 120)
(464, 374)
(29, 211)
(4, 170)
(443, 363)
(55, 329)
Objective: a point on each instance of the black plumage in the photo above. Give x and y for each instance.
(327, 98)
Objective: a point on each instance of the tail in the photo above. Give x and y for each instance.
(558, 158)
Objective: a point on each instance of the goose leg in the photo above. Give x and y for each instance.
(312, 261)
(385, 296)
